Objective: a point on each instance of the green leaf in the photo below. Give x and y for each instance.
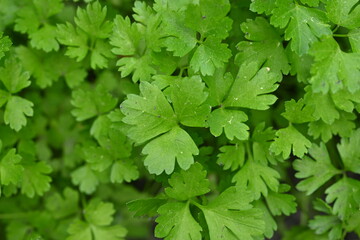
(211, 54)
(315, 171)
(257, 178)
(85, 178)
(333, 69)
(350, 153)
(188, 184)
(344, 13)
(188, 96)
(173, 146)
(45, 39)
(89, 35)
(324, 224)
(10, 170)
(16, 110)
(281, 203)
(148, 206)
(354, 39)
(98, 158)
(63, 205)
(262, 6)
(13, 76)
(149, 114)
(298, 112)
(264, 46)
(98, 216)
(323, 105)
(229, 121)
(123, 171)
(176, 223)
(255, 85)
(5, 44)
(289, 139)
(344, 194)
(90, 103)
(231, 216)
(35, 179)
(231, 156)
(270, 223)
(303, 25)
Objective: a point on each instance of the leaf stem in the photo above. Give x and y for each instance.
(340, 35)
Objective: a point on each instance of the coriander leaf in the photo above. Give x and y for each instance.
(229, 121)
(13, 76)
(350, 153)
(264, 46)
(147, 206)
(315, 171)
(231, 216)
(10, 170)
(251, 87)
(344, 13)
(35, 180)
(211, 54)
(289, 139)
(16, 110)
(280, 202)
(262, 6)
(123, 171)
(345, 194)
(90, 103)
(176, 223)
(298, 112)
(188, 184)
(303, 25)
(257, 178)
(173, 146)
(354, 39)
(261, 139)
(149, 114)
(188, 96)
(333, 69)
(5, 44)
(85, 178)
(231, 156)
(98, 216)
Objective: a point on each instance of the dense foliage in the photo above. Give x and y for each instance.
(182, 120)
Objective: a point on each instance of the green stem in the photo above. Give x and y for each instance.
(340, 35)
(335, 29)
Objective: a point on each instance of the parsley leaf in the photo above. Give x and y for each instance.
(10, 169)
(333, 69)
(316, 170)
(5, 44)
(88, 36)
(13, 76)
(188, 184)
(98, 216)
(231, 216)
(303, 25)
(173, 146)
(344, 13)
(16, 110)
(264, 46)
(176, 222)
(289, 139)
(280, 202)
